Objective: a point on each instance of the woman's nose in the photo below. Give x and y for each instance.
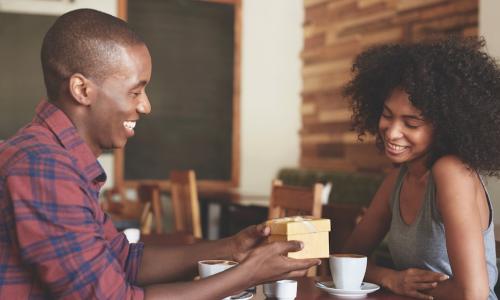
(393, 131)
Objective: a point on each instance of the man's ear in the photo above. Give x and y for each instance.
(80, 88)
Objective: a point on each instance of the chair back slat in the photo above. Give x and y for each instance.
(149, 194)
(185, 202)
(291, 200)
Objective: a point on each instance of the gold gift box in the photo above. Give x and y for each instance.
(313, 232)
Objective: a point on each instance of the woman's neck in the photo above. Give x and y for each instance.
(418, 170)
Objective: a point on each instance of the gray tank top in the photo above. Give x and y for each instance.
(422, 244)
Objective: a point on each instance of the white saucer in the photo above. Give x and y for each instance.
(242, 296)
(329, 287)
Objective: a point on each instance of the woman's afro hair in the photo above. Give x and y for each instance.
(454, 83)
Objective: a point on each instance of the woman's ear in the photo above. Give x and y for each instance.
(79, 88)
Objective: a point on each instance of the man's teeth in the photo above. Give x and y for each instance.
(129, 124)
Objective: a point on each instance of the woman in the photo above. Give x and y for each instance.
(435, 110)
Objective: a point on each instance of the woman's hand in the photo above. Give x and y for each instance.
(414, 282)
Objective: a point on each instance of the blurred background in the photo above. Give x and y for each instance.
(243, 92)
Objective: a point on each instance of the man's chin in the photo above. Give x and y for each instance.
(114, 146)
(119, 146)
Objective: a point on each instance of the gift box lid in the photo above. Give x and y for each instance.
(298, 225)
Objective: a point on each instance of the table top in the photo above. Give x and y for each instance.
(306, 290)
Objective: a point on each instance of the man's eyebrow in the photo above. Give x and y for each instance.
(140, 84)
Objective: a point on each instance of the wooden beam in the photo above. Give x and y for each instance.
(122, 10)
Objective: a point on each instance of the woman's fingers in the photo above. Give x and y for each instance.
(426, 276)
(415, 282)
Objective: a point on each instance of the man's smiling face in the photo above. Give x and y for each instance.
(119, 100)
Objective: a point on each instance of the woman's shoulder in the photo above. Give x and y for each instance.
(453, 177)
(451, 166)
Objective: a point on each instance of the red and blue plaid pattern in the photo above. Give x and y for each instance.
(55, 241)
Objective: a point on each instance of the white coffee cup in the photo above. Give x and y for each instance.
(348, 270)
(213, 266)
(133, 234)
(282, 289)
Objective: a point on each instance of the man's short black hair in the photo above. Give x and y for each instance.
(83, 41)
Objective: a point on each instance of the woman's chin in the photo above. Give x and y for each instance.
(396, 158)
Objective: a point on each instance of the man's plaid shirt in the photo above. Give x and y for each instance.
(55, 241)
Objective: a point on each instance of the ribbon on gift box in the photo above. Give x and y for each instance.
(306, 220)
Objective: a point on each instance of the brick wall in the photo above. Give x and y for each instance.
(335, 31)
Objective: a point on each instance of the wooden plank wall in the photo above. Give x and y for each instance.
(335, 31)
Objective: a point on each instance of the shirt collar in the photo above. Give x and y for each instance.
(63, 129)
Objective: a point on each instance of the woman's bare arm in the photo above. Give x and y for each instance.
(459, 199)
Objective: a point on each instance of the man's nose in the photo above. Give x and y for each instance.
(144, 106)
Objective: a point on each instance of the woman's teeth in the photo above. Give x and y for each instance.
(395, 147)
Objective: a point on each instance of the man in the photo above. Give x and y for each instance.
(55, 241)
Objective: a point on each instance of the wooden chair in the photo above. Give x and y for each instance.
(287, 201)
(125, 213)
(185, 205)
(149, 195)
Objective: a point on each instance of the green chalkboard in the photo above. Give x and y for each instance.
(191, 90)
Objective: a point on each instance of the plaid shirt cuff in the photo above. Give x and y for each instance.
(133, 262)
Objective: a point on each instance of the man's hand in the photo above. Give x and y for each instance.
(413, 282)
(269, 263)
(248, 239)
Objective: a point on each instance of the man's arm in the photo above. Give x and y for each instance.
(167, 264)
(59, 236)
(172, 263)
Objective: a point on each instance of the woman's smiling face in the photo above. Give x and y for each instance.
(406, 134)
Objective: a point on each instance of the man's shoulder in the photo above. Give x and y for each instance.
(29, 145)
